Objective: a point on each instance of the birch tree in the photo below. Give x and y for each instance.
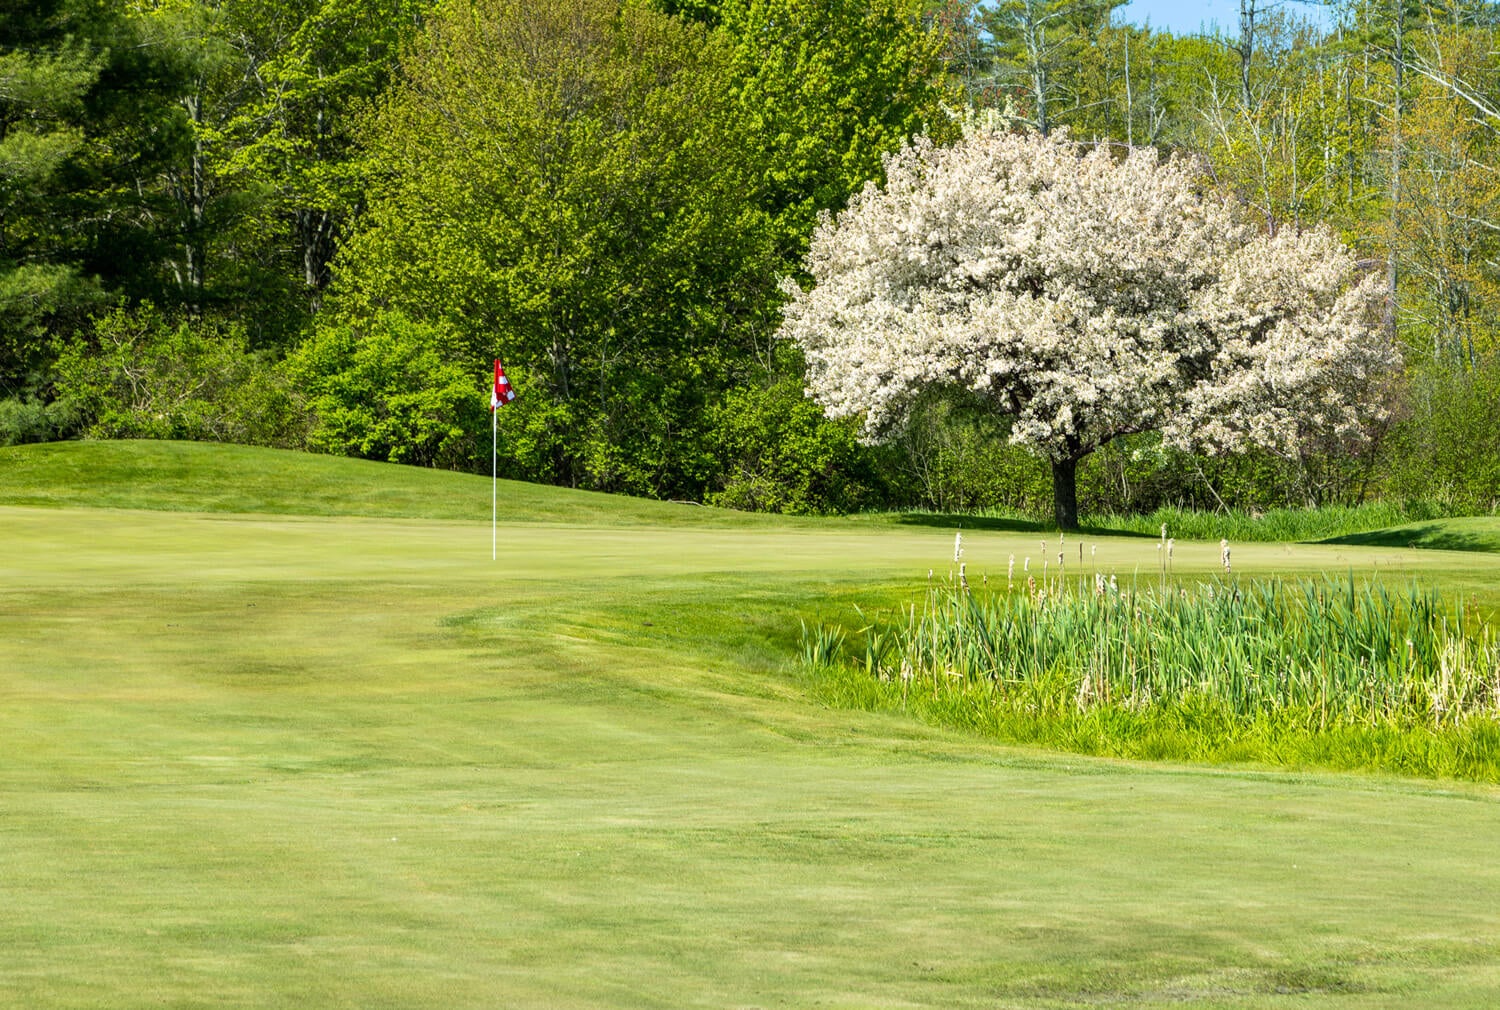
(1085, 297)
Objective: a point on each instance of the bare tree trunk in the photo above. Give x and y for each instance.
(1037, 56)
(194, 253)
(1246, 48)
(315, 233)
(1399, 68)
(1065, 493)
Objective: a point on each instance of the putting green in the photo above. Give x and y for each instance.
(332, 761)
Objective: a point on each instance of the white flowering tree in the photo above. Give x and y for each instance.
(1087, 296)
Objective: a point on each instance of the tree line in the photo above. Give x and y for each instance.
(311, 223)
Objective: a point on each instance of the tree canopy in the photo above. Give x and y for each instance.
(562, 185)
(605, 192)
(1086, 297)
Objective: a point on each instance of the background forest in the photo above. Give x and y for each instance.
(312, 223)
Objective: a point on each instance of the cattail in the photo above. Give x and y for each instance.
(963, 580)
(929, 575)
(1027, 566)
(1224, 554)
(1170, 544)
(1164, 531)
(1010, 571)
(958, 546)
(1099, 586)
(1114, 587)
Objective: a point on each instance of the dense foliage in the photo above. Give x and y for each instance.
(1085, 297)
(606, 193)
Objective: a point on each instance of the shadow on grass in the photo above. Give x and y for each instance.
(1428, 536)
(959, 521)
(1005, 524)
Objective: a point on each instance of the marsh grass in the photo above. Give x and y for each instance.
(1327, 672)
(1274, 525)
(1285, 525)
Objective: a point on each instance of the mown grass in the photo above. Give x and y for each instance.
(264, 760)
(200, 477)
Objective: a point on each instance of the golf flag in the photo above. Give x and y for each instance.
(502, 393)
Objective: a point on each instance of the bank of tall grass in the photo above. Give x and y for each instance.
(1327, 673)
(1286, 525)
(1279, 525)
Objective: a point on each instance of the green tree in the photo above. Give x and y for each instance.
(265, 170)
(143, 373)
(313, 63)
(73, 119)
(1042, 47)
(829, 87)
(565, 186)
(390, 389)
(777, 452)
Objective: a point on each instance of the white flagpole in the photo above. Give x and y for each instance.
(494, 477)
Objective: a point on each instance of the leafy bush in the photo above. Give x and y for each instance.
(952, 457)
(1448, 444)
(777, 452)
(24, 421)
(40, 303)
(392, 390)
(144, 375)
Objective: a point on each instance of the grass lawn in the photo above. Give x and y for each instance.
(278, 733)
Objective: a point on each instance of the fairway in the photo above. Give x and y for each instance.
(316, 754)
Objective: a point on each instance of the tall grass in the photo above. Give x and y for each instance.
(1271, 526)
(1275, 525)
(1265, 670)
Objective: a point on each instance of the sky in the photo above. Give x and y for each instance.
(1187, 16)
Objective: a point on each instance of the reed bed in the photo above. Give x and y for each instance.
(1317, 654)
(1277, 525)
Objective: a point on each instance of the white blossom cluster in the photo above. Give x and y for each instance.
(1087, 296)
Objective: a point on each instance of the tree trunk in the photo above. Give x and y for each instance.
(1065, 493)
(1246, 49)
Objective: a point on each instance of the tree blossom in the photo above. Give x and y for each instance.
(1085, 296)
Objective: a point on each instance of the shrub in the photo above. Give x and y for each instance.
(142, 374)
(777, 452)
(1448, 444)
(26, 420)
(392, 390)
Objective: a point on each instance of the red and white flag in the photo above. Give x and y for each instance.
(502, 393)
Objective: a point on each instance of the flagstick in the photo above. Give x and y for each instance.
(494, 477)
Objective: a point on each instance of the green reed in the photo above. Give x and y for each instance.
(1332, 652)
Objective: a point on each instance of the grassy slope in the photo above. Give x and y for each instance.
(198, 477)
(259, 761)
(1472, 534)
